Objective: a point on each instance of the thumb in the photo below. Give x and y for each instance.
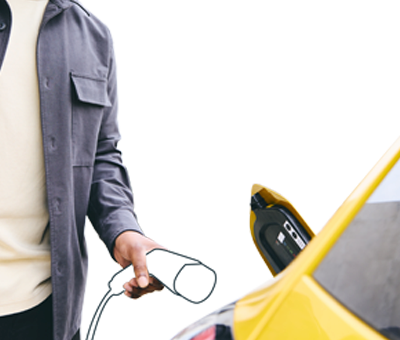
(140, 268)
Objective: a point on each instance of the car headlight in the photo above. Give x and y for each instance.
(215, 326)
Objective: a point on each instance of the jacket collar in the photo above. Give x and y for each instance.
(63, 4)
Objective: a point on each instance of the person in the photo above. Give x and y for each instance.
(59, 163)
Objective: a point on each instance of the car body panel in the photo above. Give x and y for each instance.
(308, 312)
(270, 312)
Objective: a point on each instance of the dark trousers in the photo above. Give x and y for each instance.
(33, 324)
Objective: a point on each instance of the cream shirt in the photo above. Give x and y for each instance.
(25, 271)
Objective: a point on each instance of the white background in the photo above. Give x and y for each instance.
(299, 96)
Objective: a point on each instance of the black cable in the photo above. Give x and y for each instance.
(99, 311)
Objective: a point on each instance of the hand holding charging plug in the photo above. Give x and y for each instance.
(180, 274)
(183, 276)
(131, 248)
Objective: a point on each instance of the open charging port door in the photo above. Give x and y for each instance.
(278, 230)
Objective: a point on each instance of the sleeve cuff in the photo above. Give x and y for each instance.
(117, 223)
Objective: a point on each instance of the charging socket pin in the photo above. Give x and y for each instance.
(296, 238)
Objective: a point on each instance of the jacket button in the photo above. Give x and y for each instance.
(56, 206)
(2, 26)
(59, 268)
(52, 144)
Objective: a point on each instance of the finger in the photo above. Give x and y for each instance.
(128, 287)
(132, 295)
(132, 290)
(156, 283)
(138, 259)
(138, 292)
(153, 282)
(134, 282)
(153, 286)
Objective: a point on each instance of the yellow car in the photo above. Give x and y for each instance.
(343, 284)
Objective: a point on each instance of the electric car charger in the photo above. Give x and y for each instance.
(114, 292)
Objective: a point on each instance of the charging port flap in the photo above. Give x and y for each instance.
(278, 230)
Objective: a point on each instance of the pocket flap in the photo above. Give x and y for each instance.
(91, 90)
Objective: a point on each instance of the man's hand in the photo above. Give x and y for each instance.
(132, 247)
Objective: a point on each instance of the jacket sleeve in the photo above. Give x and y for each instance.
(111, 199)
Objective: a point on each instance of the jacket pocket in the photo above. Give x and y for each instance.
(89, 98)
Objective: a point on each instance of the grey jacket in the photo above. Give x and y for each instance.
(84, 170)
